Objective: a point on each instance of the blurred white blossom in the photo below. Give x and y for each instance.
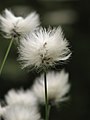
(14, 26)
(57, 87)
(2, 110)
(21, 112)
(43, 48)
(20, 96)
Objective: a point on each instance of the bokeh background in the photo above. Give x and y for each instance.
(74, 17)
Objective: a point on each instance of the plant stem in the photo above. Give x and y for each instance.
(6, 55)
(49, 108)
(46, 100)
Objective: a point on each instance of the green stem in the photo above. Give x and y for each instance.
(6, 55)
(46, 99)
(49, 108)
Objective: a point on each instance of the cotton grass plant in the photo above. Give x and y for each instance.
(39, 48)
(15, 27)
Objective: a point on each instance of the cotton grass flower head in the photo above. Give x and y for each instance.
(43, 48)
(2, 110)
(20, 96)
(14, 26)
(57, 87)
(21, 112)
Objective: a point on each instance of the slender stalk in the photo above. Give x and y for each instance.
(49, 108)
(6, 55)
(46, 100)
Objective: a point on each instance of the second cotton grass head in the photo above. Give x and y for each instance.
(43, 48)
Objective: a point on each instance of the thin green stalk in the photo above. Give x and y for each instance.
(46, 100)
(49, 108)
(6, 55)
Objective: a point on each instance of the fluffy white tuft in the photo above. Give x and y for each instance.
(57, 87)
(21, 112)
(2, 110)
(43, 48)
(15, 26)
(20, 96)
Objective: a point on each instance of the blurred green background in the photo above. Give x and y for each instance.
(74, 17)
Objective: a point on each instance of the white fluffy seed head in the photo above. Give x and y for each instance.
(43, 48)
(57, 87)
(2, 110)
(21, 112)
(14, 26)
(21, 97)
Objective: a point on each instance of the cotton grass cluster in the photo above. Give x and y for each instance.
(39, 48)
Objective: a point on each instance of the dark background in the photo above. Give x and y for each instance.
(74, 17)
